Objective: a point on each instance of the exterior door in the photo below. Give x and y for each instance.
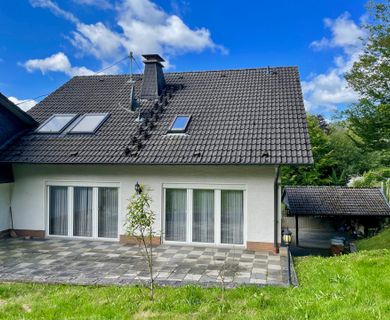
(204, 216)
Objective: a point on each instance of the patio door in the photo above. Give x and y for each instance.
(82, 211)
(79, 211)
(204, 216)
(176, 215)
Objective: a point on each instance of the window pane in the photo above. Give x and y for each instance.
(180, 123)
(176, 214)
(56, 123)
(232, 217)
(82, 212)
(58, 211)
(203, 216)
(89, 123)
(108, 213)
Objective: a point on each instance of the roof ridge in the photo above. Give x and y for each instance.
(333, 187)
(193, 71)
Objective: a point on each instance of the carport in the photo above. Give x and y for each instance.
(351, 210)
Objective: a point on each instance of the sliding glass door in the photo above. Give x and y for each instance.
(204, 216)
(58, 211)
(79, 211)
(108, 213)
(176, 215)
(232, 217)
(82, 212)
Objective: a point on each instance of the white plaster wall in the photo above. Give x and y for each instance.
(5, 200)
(29, 195)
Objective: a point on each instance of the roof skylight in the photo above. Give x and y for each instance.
(180, 124)
(89, 123)
(56, 123)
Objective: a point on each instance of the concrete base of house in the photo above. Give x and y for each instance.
(261, 246)
(30, 233)
(125, 239)
(4, 233)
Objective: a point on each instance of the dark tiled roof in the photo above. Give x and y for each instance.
(248, 116)
(336, 201)
(16, 111)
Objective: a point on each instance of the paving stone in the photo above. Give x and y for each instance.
(259, 270)
(46, 261)
(98, 262)
(192, 277)
(259, 276)
(258, 281)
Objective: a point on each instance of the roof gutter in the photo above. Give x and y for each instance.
(276, 207)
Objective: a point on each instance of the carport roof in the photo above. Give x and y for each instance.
(335, 201)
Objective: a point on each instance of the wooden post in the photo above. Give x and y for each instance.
(296, 231)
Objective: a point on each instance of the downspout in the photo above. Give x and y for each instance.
(276, 207)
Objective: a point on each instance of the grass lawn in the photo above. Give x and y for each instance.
(355, 286)
(380, 241)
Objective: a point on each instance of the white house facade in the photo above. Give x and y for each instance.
(204, 196)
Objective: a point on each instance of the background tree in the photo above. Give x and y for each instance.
(369, 118)
(336, 157)
(139, 224)
(320, 172)
(372, 178)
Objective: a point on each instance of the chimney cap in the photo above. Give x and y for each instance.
(152, 58)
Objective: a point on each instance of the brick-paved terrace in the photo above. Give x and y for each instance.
(107, 263)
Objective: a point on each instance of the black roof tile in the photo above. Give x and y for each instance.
(335, 201)
(247, 116)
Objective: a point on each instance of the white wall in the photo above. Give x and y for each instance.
(29, 196)
(5, 198)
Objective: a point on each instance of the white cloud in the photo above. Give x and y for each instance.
(54, 8)
(97, 40)
(102, 4)
(147, 29)
(57, 62)
(325, 92)
(25, 105)
(345, 34)
(144, 27)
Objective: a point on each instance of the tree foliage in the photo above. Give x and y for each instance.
(369, 118)
(359, 144)
(336, 156)
(372, 178)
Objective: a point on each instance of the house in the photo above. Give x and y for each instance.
(330, 208)
(13, 123)
(208, 145)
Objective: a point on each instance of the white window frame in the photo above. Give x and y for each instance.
(95, 189)
(73, 115)
(217, 188)
(105, 116)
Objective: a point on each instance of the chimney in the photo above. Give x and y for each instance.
(153, 81)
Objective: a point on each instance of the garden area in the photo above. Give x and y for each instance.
(355, 286)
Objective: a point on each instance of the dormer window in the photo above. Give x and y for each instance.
(89, 123)
(56, 123)
(180, 124)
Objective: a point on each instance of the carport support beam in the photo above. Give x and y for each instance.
(296, 231)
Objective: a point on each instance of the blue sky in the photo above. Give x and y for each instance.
(45, 42)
